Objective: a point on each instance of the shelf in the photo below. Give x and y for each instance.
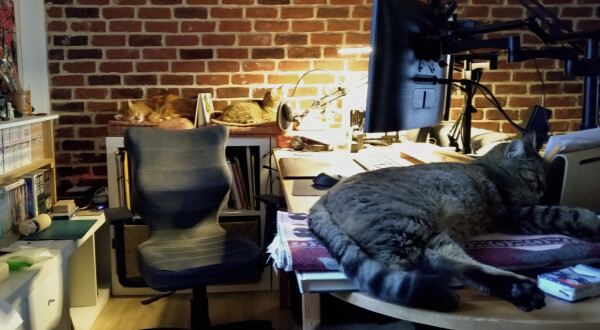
(44, 163)
(26, 120)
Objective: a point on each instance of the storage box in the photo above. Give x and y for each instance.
(572, 283)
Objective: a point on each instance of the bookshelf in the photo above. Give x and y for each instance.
(245, 220)
(45, 144)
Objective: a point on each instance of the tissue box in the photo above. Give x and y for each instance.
(572, 283)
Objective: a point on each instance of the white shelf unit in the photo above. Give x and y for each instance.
(264, 145)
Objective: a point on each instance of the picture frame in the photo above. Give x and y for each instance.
(204, 109)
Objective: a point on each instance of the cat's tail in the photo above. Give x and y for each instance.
(420, 287)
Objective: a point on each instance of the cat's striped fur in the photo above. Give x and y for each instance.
(397, 232)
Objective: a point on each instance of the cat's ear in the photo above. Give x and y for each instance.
(129, 104)
(529, 138)
(515, 149)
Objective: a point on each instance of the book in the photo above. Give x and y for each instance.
(13, 204)
(236, 197)
(241, 183)
(39, 196)
(37, 142)
(65, 215)
(251, 177)
(571, 283)
(309, 282)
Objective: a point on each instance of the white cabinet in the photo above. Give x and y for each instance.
(46, 300)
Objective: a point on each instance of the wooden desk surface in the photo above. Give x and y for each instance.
(476, 311)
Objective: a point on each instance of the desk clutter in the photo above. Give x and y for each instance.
(295, 249)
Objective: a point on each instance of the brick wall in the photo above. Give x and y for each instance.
(103, 52)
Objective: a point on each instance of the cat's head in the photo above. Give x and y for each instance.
(137, 111)
(520, 168)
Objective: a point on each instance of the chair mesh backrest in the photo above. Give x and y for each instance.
(178, 177)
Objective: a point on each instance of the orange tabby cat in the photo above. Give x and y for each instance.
(159, 108)
(253, 112)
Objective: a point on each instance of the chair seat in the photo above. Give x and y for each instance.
(169, 260)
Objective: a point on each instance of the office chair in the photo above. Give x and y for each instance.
(180, 182)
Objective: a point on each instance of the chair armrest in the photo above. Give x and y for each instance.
(119, 216)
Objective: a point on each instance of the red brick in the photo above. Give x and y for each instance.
(121, 54)
(118, 12)
(361, 12)
(233, 92)
(279, 79)
(212, 80)
(297, 13)
(224, 66)
(358, 39)
(326, 39)
(228, 12)
(176, 79)
(258, 66)
(188, 66)
(304, 52)
(293, 66)
(269, 26)
(335, 12)
(91, 93)
(182, 40)
(163, 27)
(244, 79)
(79, 67)
(159, 53)
(108, 40)
(141, 80)
(195, 26)
(154, 13)
(308, 26)
(125, 26)
(329, 65)
(88, 26)
(55, 26)
(152, 66)
(343, 25)
(232, 53)
(121, 67)
(218, 40)
(102, 106)
(235, 26)
(291, 39)
(255, 40)
(67, 80)
(261, 13)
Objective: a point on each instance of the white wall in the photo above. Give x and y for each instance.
(30, 19)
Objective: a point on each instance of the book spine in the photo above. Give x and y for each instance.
(234, 191)
(241, 184)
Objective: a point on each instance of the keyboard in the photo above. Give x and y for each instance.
(375, 158)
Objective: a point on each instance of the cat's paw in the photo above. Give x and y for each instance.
(526, 295)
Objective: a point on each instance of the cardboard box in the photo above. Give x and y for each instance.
(572, 283)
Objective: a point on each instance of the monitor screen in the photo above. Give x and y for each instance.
(402, 33)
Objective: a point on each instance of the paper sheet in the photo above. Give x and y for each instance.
(586, 139)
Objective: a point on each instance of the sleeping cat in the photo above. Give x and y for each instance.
(254, 112)
(397, 232)
(159, 108)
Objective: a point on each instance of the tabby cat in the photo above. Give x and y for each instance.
(159, 108)
(397, 232)
(254, 112)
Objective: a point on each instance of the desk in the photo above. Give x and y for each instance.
(70, 288)
(476, 310)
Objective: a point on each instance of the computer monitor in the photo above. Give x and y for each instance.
(403, 39)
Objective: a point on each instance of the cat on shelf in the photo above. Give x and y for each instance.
(158, 109)
(254, 112)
